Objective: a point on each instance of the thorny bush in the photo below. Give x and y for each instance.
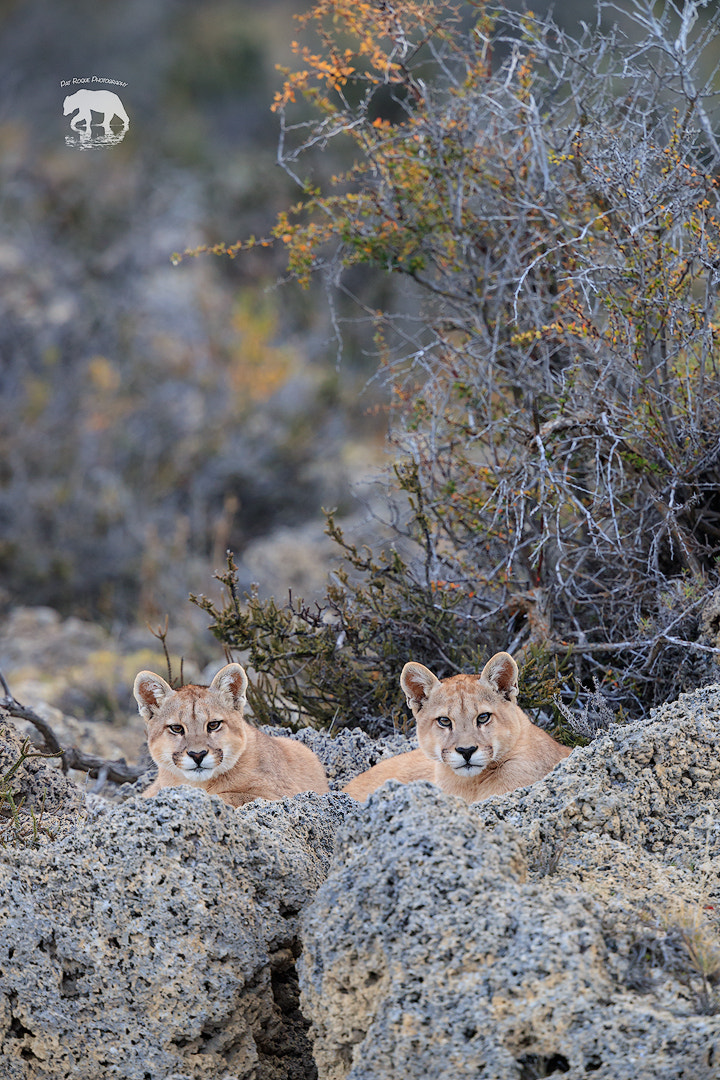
(552, 203)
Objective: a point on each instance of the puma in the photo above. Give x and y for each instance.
(474, 739)
(198, 735)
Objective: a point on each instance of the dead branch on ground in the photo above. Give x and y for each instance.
(118, 771)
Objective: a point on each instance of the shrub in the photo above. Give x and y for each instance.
(21, 827)
(552, 203)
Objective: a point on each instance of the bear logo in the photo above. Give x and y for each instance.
(86, 102)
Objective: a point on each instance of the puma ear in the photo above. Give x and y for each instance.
(417, 681)
(150, 690)
(231, 683)
(501, 672)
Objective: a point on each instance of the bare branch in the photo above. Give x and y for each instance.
(118, 771)
(21, 712)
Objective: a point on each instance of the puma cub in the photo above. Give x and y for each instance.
(198, 735)
(474, 740)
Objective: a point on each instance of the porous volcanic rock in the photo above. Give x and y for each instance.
(654, 784)
(569, 928)
(38, 783)
(159, 940)
(349, 751)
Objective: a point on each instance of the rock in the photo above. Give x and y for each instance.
(295, 559)
(568, 928)
(652, 784)
(28, 629)
(159, 941)
(38, 783)
(349, 751)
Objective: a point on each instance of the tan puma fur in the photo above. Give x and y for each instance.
(474, 739)
(198, 735)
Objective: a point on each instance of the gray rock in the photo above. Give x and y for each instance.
(38, 783)
(653, 784)
(159, 940)
(568, 928)
(349, 751)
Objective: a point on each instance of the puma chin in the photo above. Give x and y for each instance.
(474, 739)
(198, 735)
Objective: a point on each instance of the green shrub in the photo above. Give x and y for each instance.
(337, 663)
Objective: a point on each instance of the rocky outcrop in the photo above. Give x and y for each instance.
(567, 929)
(654, 785)
(159, 940)
(570, 928)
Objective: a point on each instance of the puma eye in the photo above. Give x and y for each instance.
(177, 729)
(214, 725)
(483, 718)
(444, 721)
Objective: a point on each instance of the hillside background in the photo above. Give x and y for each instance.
(152, 416)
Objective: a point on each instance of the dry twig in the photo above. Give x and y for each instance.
(118, 771)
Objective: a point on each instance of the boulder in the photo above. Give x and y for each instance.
(570, 928)
(654, 784)
(158, 941)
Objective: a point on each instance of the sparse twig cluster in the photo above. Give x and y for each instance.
(20, 827)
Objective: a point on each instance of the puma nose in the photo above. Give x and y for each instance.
(197, 755)
(466, 751)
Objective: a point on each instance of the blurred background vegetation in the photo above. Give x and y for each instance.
(152, 416)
